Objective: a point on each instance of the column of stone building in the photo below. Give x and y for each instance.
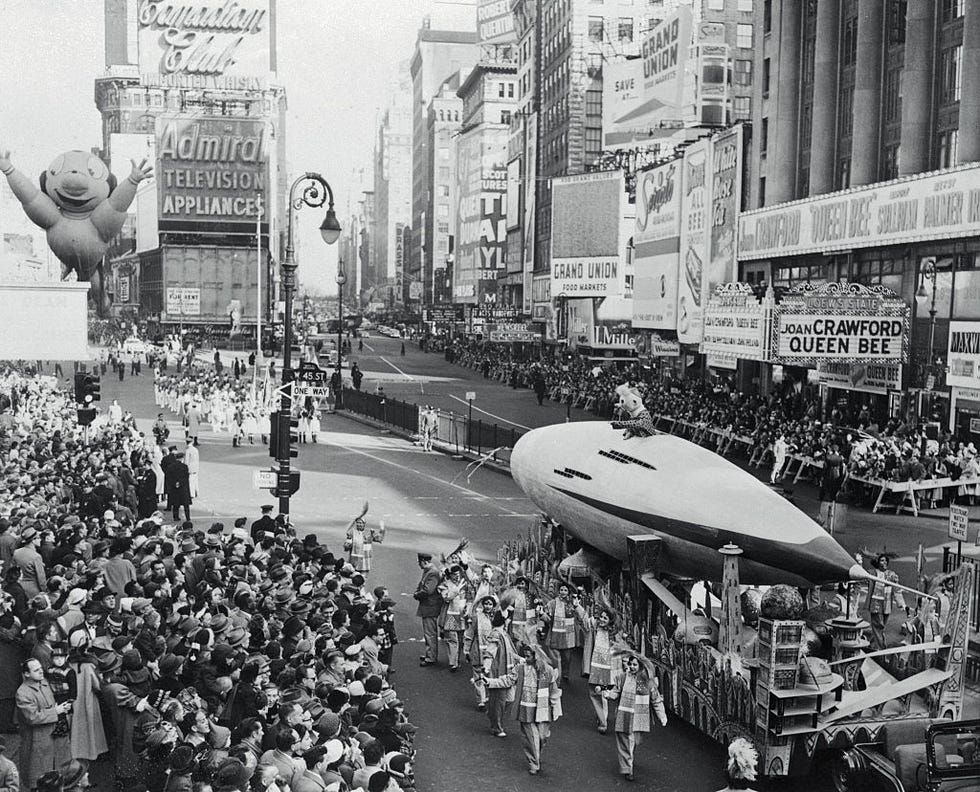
(785, 122)
(867, 93)
(826, 67)
(968, 147)
(917, 86)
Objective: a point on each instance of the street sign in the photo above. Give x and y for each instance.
(470, 395)
(263, 479)
(312, 373)
(959, 522)
(313, 391)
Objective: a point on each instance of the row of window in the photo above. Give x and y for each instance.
(740, 5)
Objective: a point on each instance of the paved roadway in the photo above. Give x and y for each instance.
(427, 502)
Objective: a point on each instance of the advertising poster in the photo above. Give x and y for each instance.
(656, 242)
(586, 221)
(529, 189)
(481, 224)
(494, 22)
(693, 242)
(726, 196)
(963, 356)
(926, 206)
(210, 171)
(868, 378)
(205, 40)
(736, 324)
(648, 92)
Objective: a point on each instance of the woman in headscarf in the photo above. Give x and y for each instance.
(88, 740)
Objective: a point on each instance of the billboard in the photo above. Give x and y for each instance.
(693, 242)
(656, 245)
(481, 222)
(840, 322)
(202, 282)
(183, 302)
(586, 220)
(939, 205)
(726, 197)
(210, 171)
(233, 38)
(963, 356)
(868, 378)
(736, 324)
(648, 92)
(529, 188)
(494, 22)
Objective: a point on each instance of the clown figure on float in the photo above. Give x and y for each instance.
(640, 424)
(81, 208)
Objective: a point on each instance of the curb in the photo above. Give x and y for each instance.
(442, 448)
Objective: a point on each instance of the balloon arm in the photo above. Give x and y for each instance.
(39, 207)
(122, 197)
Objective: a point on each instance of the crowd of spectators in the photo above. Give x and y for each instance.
(165, 655)
(793, 414)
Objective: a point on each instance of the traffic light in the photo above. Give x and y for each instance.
(286, 486)
(291, 439)
(86, 415)
(274, 434)
(88, 388)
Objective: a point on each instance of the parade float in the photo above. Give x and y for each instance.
(669, 534)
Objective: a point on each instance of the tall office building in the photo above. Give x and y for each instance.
(854, 93)
(576, 36)
(393, 185)
(439, 54)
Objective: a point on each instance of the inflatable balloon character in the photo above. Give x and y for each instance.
(640, 424)
(81, 208)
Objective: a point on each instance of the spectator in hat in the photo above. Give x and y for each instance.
(33, 577)
(62, 680)
(177, 485)
(11, 657)
(38, 713)
(88, 738)
(265, 524)
(119, 570)
(429, 608)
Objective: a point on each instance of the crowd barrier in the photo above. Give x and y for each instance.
(453, 431)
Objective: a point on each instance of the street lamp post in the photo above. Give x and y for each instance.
(929, 273)
(341, 280)
(315, 192)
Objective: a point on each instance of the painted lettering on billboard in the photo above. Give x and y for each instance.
(693, 243)
(233, 37)
(736, 323)
(930, 206)
(841, 322)
(586, 222)
(726, 192)
(964, 355)
(865, 377)
(656, 243)
(211, 170)
(644, 93)
(494, 22)
(481, 222)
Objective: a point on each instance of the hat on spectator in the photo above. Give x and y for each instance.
(396, 762)
(182, 760)
(29, 534)
(109, 663)
(236, 637)
(374, 706)
(335, 749)
(72, 772)
(356, 688)
(169, 664)
(51, 781)
(219, 623)
(328, 724)
(299, 608)
(266, 509)
(425, 556)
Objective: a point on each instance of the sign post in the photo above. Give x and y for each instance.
(959, 525)
(470, 397)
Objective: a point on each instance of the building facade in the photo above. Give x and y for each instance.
(866, 133)
(489, 97)
(439, 54)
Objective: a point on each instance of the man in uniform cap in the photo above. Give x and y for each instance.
(265, 524)
(429, 607)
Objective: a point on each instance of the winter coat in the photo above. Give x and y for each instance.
(37, 716)
(427, 594)
(9, 777)
(88, 739)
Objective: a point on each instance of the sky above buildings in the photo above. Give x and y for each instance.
(337, 60)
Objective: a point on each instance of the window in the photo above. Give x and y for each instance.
(952, 9)
(897, 9)
(848, 42)
(806, 125)
(745, 5)
(443, 173)
(889, 162)
(596, 31)
(501, 90)
(443, 190)
(762, 191)
(593, 144)
(626, 28)
(743, 36)
(743, 72)
(443, 210)
(949, 74)
(844, 173)
(505, 116)
(946, 148)
(809, 58)
(785, 277)
(892, 99)
(716, 5)
(742, 107)
(443, 153)
(845, 111)
(766, 70)
(442, 228)
(593, 104)
(764, 136)
(767, 16)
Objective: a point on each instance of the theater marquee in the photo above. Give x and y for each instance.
(840, 322)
